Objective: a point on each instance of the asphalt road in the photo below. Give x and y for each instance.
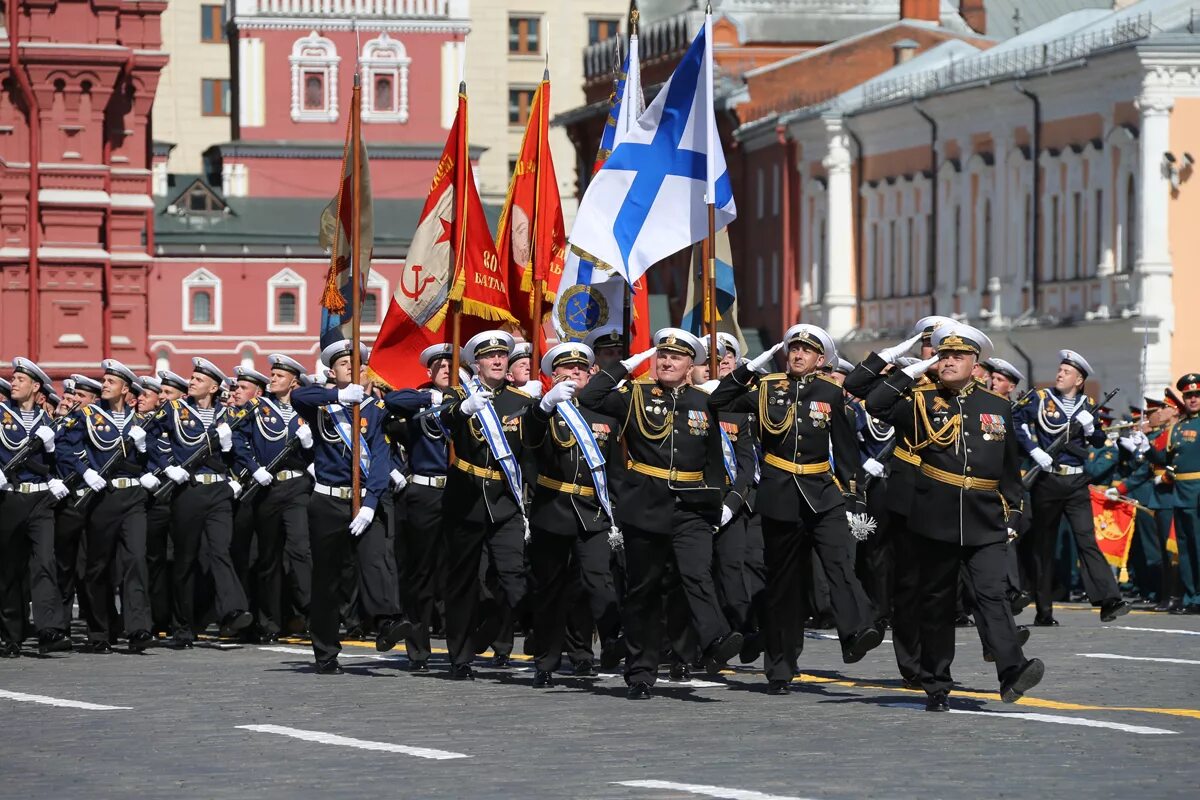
(1118, 715)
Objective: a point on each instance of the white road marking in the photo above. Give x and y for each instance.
(1082, 722)
(1155, 630)
(833, 636)
(321, 737)
(1139, 658)
(708, 791)
(21, 697)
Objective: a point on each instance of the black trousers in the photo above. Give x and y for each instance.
(281, 525)
(729, 579)
(465, 544)
(556, 559)
(68, 555)
(27, 549)
(875, 560)
(939, 565)
(688, 548)
(1054, 496)
(372, 571)
(116, 553)
(906, 617)
(754, 573)
(202, 518)
(158, 562)
(241, 550)
(423, 539)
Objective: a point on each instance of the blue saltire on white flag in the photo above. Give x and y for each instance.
(650, 198)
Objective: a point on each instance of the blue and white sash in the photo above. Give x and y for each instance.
(343, 424)
(582, 432)
(727, 455)
(493, 434)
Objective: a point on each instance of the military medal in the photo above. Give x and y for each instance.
(819, 412)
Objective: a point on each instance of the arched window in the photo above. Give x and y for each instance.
(201, 302)
(370, 309)
(385, 62)
(286, 291)
(202, 308)
(286, 315)
(314, 63)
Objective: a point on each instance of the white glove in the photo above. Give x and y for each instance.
(918, 369)
(398, 479)
(3, 480)
(890, 354)
(46, 434)
(1012, 535)
(58, 489)
(138, 437)
(436, 397)
(726, 516)
(533, 388)
(1041, 458)
(764, 359)
(633, 362)
(177, 474)
(1086, 421)
(1159, 479)
(475, 403)
(236, 487)
(1111, 493)
(1128, 443)
(559, 393)
(1143, 442)
(149, 482)
(225, 437)
(304, 434)
(352, 395)
(262, 477)
(528, 533)
(359, 525)
(873, 468)
(94, 481)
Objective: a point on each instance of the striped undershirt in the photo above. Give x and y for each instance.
(206, 415)
(287, 412)
(27, 418)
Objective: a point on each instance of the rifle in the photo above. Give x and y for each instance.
(119, 453)
(252, 485)
(195, 458)
(1061, 442)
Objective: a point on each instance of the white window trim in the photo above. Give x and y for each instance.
(376, 282)
(201, 279)
(314, 52)
(287, 279)
(385, 55)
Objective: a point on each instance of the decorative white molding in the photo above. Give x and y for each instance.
(385, 56)
(314, 53)
(288, 280)
(201, 279)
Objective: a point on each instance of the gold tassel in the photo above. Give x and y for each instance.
(332, 298)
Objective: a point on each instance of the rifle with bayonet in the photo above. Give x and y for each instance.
(1064, 438)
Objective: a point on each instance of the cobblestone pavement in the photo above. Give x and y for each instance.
(1118, 715)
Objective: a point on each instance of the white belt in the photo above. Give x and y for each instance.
(340, 492)
(208, 478)
(123, 483)
(27, 488)
(288, 474)
(436, 481)
(1063, 469)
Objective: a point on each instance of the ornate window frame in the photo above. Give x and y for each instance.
(201, 280)
(290, 281)
(385, 56)
(314, 53)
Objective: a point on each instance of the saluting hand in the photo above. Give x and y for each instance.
(890, 354)
(760, 363)
(918, 369)
(633, 362)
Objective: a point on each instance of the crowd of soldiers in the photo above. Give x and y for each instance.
(676, 518)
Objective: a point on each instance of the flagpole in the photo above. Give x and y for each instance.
(627, 317)
(539, 283)
(356, 290)
(710, 243)
(460, 197)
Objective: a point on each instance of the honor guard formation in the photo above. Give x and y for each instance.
(618, 510)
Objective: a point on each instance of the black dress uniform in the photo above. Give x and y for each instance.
(271, 441)
(159, 564)
(669, 506)
(330, 515)
(801, 423)
(729, 543)
(479, 511)
(27, 527)
(95, 437)
(967, 495)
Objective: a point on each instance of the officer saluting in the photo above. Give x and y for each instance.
(801, 421)
(274, 449)
(1062, 489)
(670, 500)
(202, 509)
(106, 446)
(27, 497)
(335, 533)
(570, 515)
(428, 458)
(965, 505)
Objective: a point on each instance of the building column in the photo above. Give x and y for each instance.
(840, 298)
(1153, 265)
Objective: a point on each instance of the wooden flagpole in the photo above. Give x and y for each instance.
(539, 283)
(356, 290)
(460, 199)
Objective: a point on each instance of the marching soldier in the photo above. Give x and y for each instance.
(273, 449)
(803, 426)
(28, 491)
(68, 521)
(966, 504)
(422, 537)
(105, 445)
(246, 386)
(483, 501)
(337, 536)
(608, 346)
(570, 515)
(1062, 489)
(1180, 459)
(202, 509)
(670, 502)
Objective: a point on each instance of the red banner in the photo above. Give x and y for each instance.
(1114, 521)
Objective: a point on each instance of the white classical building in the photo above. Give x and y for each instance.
(1040, 189)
